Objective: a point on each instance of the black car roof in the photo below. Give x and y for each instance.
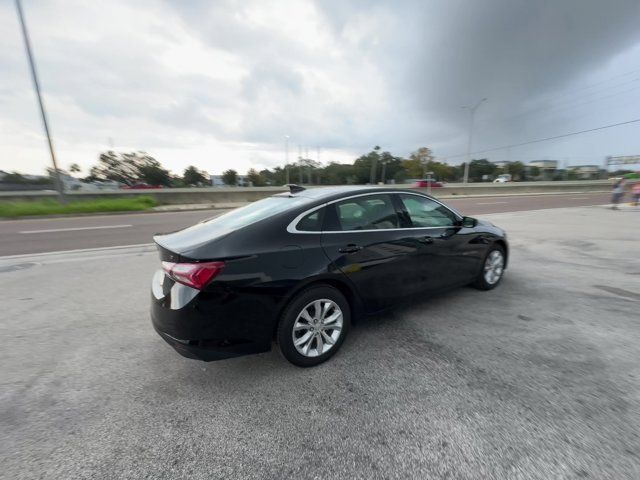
(320, 193)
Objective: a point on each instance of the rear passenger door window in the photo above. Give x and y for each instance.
(368, 212)
(427, 213)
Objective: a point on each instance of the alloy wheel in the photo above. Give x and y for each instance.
(493, 267)
(317, 327)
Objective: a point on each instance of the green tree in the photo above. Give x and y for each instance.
(390, 167)
(366, 167)
(130, 168)
(572, 174)
(413, 167)
(401, 176)
(74, 168)
(309, 168)
(443, 172)
(154, 174)
(15, 177)
(230, 177)
(421, 157)
(516, 169)
(193, 176)
(534, 172)
(338, 174)
(479, 168)
(255, 178)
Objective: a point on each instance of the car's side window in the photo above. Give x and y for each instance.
(368, 212)
(425, 212)
(311, 222)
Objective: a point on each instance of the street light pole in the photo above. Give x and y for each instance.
(472, 112)
(36, 84)
(300, 164)
(286, 157)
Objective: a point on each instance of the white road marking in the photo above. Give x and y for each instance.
(491, 203)
(80, 254)
(51, 230)
(78, 250)
(578, 198)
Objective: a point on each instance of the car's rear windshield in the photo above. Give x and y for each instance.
(267, 207)
(219, 226)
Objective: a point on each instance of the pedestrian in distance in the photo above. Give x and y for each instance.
(635, 193)
(617, 193)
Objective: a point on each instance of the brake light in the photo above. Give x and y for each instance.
(194, 275)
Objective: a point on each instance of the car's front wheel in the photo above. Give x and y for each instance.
(313, 326)
(492, 269)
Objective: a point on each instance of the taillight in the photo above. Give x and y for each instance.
(194, 275)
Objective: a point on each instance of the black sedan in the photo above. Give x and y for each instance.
(297, 267)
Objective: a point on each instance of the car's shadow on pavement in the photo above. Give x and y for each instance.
(416, 316)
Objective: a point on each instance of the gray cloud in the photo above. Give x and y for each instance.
(437, 56)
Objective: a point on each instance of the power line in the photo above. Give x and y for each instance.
(544, 139)
(561, 103)
(587, 87)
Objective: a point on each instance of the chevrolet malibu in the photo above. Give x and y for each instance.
(296, 268)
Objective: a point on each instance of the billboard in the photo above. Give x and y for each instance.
(626, 160)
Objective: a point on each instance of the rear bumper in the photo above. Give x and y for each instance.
(210, 325)
(210, 350)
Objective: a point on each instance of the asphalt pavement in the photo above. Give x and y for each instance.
(59, 234)
(537, 379)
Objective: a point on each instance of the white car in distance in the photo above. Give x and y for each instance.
(504, 178)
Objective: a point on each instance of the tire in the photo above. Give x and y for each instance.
(485, 281)
(301, 314)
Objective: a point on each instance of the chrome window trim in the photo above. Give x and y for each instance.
(291, 228)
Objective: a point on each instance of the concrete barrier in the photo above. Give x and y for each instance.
(178, 196)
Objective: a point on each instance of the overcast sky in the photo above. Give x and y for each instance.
(219, 84)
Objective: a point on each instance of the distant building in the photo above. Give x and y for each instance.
(501, 163)
(70, 183)
(544, 164)
(35, 178)
(585, 172)
(216, 181)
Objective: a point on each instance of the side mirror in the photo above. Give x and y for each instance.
(468, 222)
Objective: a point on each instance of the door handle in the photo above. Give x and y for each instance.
(426, 239)
(351, 248)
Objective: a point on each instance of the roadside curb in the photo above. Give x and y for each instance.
(486, 195)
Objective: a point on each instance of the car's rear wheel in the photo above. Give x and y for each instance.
(492, 269)
(313, 326)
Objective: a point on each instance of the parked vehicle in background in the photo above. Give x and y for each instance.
(503, 178)
(425, 183)
(140, 186)
(298, 266)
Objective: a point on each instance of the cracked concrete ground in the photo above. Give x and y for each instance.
(539, 378)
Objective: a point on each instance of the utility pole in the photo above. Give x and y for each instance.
(374, 165)
(472, 112)
(286, 156)
(36, 84)
(384, 171)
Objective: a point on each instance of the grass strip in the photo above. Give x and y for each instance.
(53, 207)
